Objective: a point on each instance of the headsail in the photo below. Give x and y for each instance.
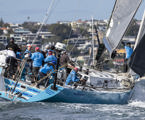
(137, 61)
(123, 12)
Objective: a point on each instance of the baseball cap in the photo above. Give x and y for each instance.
(37, 48)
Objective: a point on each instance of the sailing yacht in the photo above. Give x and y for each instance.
(99, 88)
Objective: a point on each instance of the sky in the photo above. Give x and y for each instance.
(18, 11)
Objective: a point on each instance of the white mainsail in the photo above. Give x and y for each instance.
(123, 12)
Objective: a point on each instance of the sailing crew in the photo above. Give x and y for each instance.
(50, 48)
(50, 57)
(64, 58)
(129, 52)
(12, 45)
(47, 48)
(11, 62)
(18, 55)
(28, 50)
(37, 59)
(28, 65)
(53, 50)
(44, 71)
(72, 77)
(64, 61)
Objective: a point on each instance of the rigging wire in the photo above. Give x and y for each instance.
(23, 63)
(44, 20)
(76, 42)
(75, 17)
(68, 38)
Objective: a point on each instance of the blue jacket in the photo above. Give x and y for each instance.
(50, 58)
(129, 51)
(45, 69)
(72, 77)
(18, 55)
(37, 58)
(27, 51)
(53, 52)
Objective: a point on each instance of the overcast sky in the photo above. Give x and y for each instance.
(18, 11)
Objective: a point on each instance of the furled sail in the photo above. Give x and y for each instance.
(123, 12)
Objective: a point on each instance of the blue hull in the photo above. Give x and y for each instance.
(91, 97)
(27, 93)
(62, 94)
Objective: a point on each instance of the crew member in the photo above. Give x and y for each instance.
(47, 49)
(37, 59)
(28, 50)
(72, 77)
(50, 57)
(129, 52)
(11, 62)
(64, 60)
(12, 45)
(28, 65)
(44, 71)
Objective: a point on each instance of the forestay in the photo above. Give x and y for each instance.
(122, 14)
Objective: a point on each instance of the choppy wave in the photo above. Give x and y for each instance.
(65, 111)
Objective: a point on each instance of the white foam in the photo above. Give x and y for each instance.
(137, 104)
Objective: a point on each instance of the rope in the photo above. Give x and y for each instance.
(20, 72)
(37, 82)
(49, 74)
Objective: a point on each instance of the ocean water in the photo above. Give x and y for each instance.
(65, 111)
(135, 110)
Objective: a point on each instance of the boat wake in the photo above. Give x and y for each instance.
(140, 104)
(138, 95)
